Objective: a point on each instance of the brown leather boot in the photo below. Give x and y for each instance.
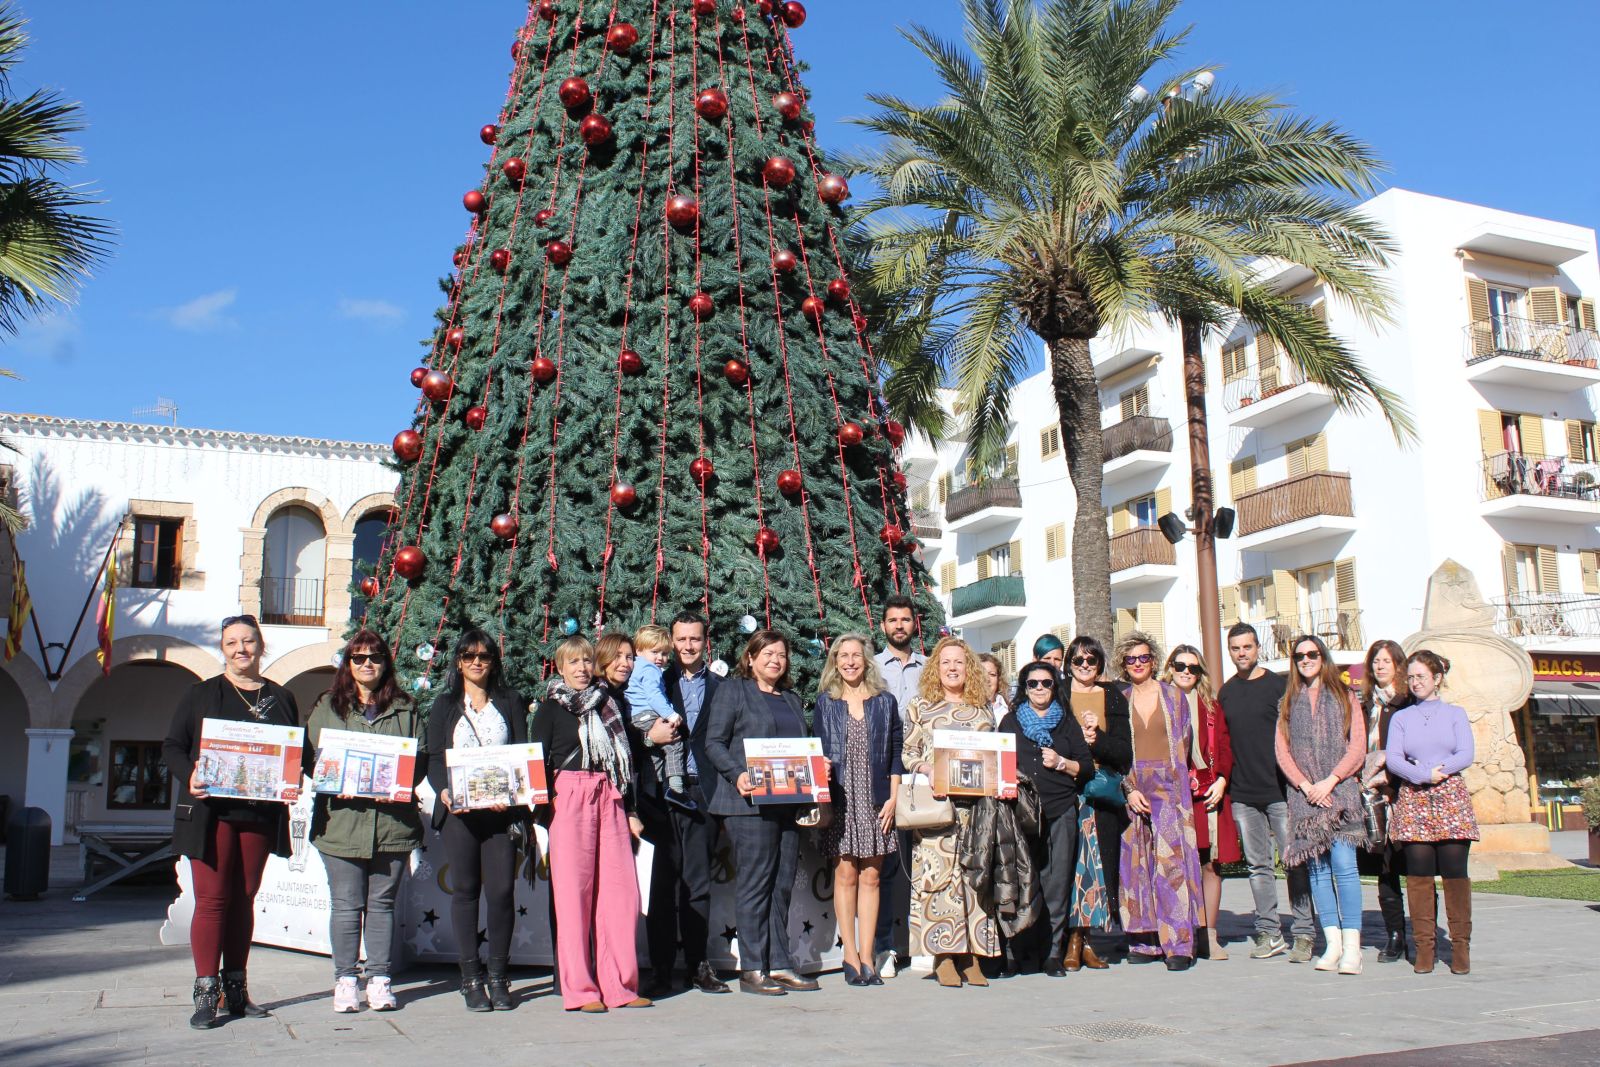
(1423, 906)
(1458, 909)
(1073, 960)
(1090, 960)
(944, 969)
(971, 970)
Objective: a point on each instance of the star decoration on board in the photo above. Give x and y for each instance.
(522, 909)
(430, 916)
(421, 941)
(483, 936)
(838, 942)
(730, 932)
(807, 926)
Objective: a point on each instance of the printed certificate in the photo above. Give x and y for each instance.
(355, 764)
(975, 763)
(787, 770)
(250, 760)
(512, 775)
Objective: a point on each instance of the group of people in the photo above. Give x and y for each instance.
(1137, 779)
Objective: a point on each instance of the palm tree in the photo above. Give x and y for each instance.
(1050, 195)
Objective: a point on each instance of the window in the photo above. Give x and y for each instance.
(1055, 542)
(1306, 455)
(1013, 459)
(1006, 653)
(919, 498)
(947, 575)
(1235, 361)
(1242, 476)
(1253, 602)
(1143, 511)
(1000, 560)
(1050, 442)
(157, 552)
(139, 779)
(1583, 446)
(293, 563)
(1136, 402)
(1589, 565)
(1532, 569)
(1506, 318)
(944, 488)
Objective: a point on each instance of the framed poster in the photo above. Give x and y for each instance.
(250, 760)
(975, 763)
(513, 775)
(787, 770)
(353, 764)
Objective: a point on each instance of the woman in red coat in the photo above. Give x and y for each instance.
(1210, 767)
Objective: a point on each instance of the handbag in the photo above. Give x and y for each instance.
(916, 808)
(1375, 816)
(1105, 789)
(815, 817)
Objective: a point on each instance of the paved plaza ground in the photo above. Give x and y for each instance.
(89, 984)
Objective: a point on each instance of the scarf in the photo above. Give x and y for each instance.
(1317, 740)
(1198, 715)
(601, 732)
(1038, 728)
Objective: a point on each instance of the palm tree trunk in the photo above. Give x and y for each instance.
(1078, 403)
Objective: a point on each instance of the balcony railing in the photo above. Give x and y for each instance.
(1137, 433)
(1301, 497)
(1546, 342)
(1134, 548)
(1339, 628)
(1242, 392)
(1529, 474)
(1547, 615)
(925, 524)
(1001, 591)
(292, 601)
(971, 499)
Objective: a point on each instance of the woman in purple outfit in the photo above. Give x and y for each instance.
(1430, 744)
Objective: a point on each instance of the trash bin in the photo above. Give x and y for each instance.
(28, 854)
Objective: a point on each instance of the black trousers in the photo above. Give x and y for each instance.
(477, 846)
(1060, 838)
(766, 851)
(680, 880)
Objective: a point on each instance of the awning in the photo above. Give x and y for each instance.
(1567, 698)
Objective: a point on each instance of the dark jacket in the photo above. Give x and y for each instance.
(446, 711)
(709, 778)
(997, 862)
(194, 819)
(556, 728)
(358, 827)
(739, 712)
(1058, 793)
(885, 738)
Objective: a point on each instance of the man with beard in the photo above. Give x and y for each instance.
(901, 666)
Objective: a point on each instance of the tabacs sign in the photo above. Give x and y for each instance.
(1565, 667)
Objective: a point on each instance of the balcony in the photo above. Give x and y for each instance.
(992, 502)
(989, 600)
(1140, 444)
(1272, 398)
(292, 601)
(1521, 485)
(925, 525)
(1295, 511)
(1339, 628)
(1140, 557)
(1544, 616)
(1536, 355)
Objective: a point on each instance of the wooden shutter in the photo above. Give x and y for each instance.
(1135, 402)
(1153, 621)
(1578, 433)
(1586, 315)
(1055, 542)
(1006, 653)
(1121, 519)
(1508, 565)
(1344, 584)
(1317, 453)
(1163, 502)
(983, 565)
(1228, 596)
(1546, 303)
(1491, 433)
(1242, 476)
(1049, 442)
(1267, 362)
(1126, 620)
(1530, 428)
(1482, 329)
(1589, 564)
(1016, 557)
(1295, 453)
(947, 576)
(1235, 362)
(1012, 458)
(1549, 569)
(177, 554)
(944, 488)
(1063, 633)
(1286, 597)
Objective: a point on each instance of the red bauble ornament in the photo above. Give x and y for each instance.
(737, 14)
(778, 171)
(764, 6)
(407, 446)
(515, 168)
(705, 8)
(542, 216)
(504, 526)
(594, 129)
(788, 105)
(624, 495)
(489, 133)
(436, 385)
(547, 10)
(711, 104)
(682, 211)
(543, 369)
(409, 563)
(516, 49)
(417, 374)
(789, 482)
(833, 189)
(766, 540)
(794, 14)
(839, 290)
(850, 435)
(460, 257)
(900, 481)
(474, 202)
(702, 471)
(621, 37)
(558, 252)
(859, 321)
(500, 259)
(808, 127)
(736, 371)
(574, 92)
(784, 261)
(896, 434)
(812, 308)
(455, 337)
(629, 363)
(701, 306)
(907, 545)
(891, 534)
(369, 587)
(476, 416)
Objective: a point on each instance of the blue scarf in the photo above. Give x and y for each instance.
(1038, 728)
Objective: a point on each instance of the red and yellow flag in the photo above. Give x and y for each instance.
(105, 616)
(21, 608)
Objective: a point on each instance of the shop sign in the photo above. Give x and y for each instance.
(1566, 667)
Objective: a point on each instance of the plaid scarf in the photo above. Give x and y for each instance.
(601, 731)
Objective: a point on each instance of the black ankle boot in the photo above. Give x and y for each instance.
(238, 996)
(500, 986)
(473, 989)
(207, 993)
(1394, 949)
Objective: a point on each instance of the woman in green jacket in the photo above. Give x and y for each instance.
(364, 842)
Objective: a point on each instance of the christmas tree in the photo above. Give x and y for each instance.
(650, 389)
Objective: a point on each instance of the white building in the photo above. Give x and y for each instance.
(207, 524)
(1493, 347)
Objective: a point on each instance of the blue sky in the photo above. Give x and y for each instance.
(286, 178)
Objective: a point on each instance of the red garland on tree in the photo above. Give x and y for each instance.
(629, 363)
(543, 370)
(407, 446)
(778, 171)
(504, 526)
(409, 563)
(682, 211)
(574, 93)
(436, 385)
(476, 416)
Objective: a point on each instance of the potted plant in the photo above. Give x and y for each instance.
(1246, 401)
(1589, 800)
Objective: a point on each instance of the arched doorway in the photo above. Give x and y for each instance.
(369, 531)
(293, 568)
(307, 686)
(115, 772)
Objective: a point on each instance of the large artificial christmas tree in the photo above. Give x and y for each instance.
(650, 389)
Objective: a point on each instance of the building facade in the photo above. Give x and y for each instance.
(1493, 346)
(203, 525)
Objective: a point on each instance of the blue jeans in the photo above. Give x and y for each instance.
(1336, 887)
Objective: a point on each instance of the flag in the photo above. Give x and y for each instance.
(105, 615)
(21, 608)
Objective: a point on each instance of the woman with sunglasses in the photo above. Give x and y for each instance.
(1383, 693)
(1161, 906)
(477, 709)
(1102, 712)
(227, 841)
(1321, 745)
(1216, 837)
(364, 842)
(1052, 752)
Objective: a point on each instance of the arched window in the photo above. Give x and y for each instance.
(369, 531)
(293, 566)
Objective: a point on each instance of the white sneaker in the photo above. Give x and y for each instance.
(346, 996)
(1350, 961)
(885, 962)
(379, 996)
(1329, 960)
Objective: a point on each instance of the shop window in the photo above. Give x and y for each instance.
(138, 779)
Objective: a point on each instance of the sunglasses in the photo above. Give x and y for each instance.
(1085, 661)
(1039, 683)
(1189, 668)
(1139, 660)
(477, 657)
(361, 659)
(1302, 657)
(234, 620)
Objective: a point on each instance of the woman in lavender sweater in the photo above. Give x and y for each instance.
(1430, 744)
